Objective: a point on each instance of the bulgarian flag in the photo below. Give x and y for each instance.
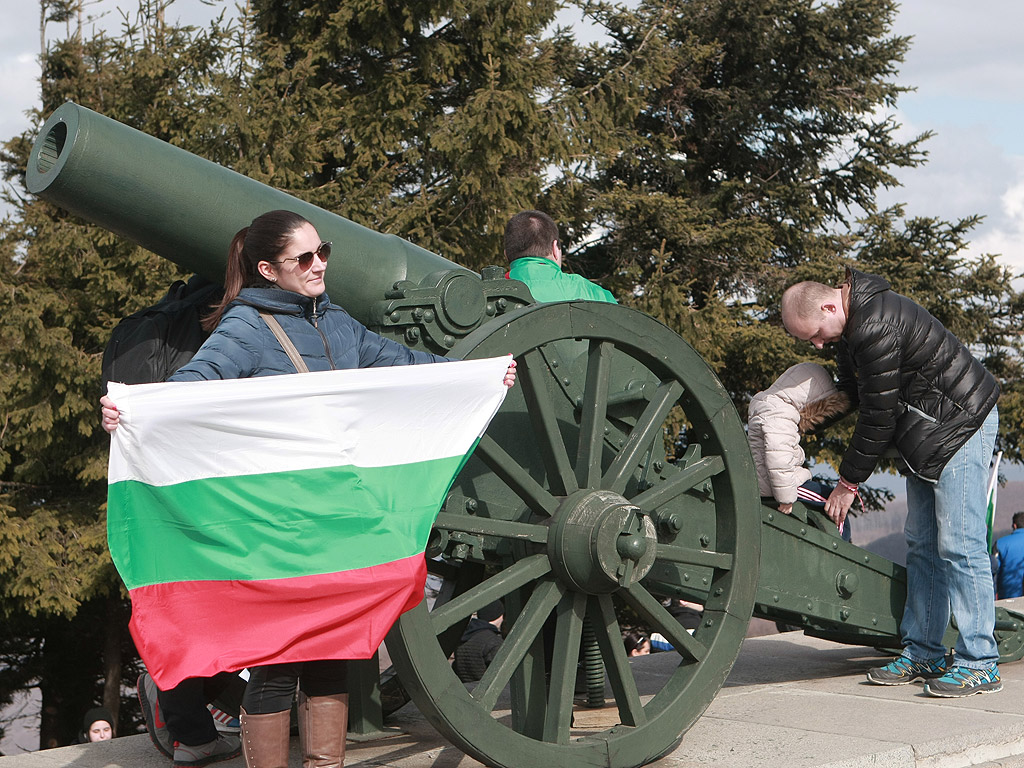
(284, 518)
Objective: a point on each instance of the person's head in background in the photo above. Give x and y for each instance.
(492, 613)
(532, 233)
(98, 724)
(637, 643)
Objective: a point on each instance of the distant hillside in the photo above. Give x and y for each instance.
(882, 532)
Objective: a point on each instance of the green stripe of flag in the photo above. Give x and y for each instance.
(278, 525)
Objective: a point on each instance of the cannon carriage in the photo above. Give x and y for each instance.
(571, 510)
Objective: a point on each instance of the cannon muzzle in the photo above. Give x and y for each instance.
(187, 209)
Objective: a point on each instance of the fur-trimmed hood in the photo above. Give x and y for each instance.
(814, 414)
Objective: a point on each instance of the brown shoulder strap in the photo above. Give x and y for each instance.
(286, 343)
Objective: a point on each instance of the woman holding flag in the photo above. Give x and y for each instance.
(275, 318)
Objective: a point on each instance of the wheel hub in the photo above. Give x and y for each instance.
(599, 542)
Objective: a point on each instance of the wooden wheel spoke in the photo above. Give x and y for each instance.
(655, 614)
(462, 607)
(687, 478)
(568, 630)
(515, 477)
(489, 526)
(685, 555)
(592, 417)
(534, 373)
(527, 626)
(616, 663)
(647, 430)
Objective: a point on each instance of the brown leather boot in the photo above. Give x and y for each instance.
(323, 725)
(265, 739)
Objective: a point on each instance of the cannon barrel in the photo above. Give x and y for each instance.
(187, 209)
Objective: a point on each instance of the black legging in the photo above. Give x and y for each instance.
(271, 688)
(184, 707)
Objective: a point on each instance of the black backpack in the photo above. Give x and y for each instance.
(151, 344)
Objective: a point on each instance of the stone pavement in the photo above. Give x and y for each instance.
(790, 702)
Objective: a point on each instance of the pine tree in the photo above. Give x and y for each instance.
(433, 121)
(748, 156)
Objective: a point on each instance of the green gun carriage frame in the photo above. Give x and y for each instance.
(570, 511)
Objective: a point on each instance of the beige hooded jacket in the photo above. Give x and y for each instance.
(800, 399)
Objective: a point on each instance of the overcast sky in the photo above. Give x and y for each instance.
(966, 62)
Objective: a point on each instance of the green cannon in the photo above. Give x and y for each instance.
(573, 510)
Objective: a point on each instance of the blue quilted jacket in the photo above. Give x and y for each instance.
(326, 336)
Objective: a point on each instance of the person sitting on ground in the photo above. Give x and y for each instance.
(1009, 552)
(97, 725)
(480, 643)
(535, 256)
(802, 398)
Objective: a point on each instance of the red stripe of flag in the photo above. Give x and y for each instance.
(230, 625)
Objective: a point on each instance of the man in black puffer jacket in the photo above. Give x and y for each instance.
(918, 389)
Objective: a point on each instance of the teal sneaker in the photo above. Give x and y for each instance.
(902, 670)
(965, 681)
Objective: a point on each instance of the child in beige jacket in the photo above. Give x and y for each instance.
(799, 400)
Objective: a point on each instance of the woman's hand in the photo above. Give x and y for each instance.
(111, 416)
(786, 509)
(839, 502)
(510, 374)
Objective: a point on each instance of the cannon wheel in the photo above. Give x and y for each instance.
(570, 514)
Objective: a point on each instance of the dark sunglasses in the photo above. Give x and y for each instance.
(305, 260)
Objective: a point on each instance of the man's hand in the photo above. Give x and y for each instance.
(840, 501)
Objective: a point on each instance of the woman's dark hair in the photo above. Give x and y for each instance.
(633, 639)
(263, 240)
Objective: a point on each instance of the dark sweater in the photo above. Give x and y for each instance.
(479, 645)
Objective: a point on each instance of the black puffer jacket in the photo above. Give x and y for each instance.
(916, 385)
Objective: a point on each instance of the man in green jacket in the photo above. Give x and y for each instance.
(535, 255)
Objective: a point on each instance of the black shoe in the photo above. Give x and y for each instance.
(154, 717)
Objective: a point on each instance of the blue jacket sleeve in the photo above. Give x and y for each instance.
(376, 351)
(233, 351)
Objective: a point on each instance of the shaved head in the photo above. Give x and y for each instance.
(803, 300)
(814, 312)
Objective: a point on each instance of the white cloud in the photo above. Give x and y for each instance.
(966, 174)
(1007, 237)
(967, 67)
(19, 90)
(961, 51)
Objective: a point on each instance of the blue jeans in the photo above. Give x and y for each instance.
(948, 566)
